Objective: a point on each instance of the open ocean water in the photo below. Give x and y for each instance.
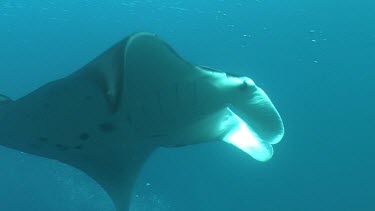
(315, 59)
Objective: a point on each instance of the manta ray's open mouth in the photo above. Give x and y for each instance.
(254, 128)
(245, 138)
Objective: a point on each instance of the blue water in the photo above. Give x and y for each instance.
(315, 59)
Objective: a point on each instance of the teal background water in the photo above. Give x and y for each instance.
(315, 59)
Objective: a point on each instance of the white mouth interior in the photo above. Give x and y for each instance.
(244, 137)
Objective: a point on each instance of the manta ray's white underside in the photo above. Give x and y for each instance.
(106, 118)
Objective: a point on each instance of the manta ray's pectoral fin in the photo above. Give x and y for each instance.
(69, 121)
(108, 72)
(4, 99)
(116, 171)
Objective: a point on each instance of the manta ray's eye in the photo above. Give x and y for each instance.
(247, 84)
(244, 85)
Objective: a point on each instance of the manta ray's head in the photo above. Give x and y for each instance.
(262, 125)
(253, 124)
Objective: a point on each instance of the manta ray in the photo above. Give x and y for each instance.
(107, 118)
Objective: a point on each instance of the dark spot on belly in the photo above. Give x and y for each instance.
(84, 136)
(158, 135)
(129, 119)
(62, 147)
(34, 146)
(79, 147)
(46, 106)
(107, 127)
(43, 139)
(88, 98)
(180, 145)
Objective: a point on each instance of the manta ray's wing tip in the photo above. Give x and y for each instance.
(4, 99)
